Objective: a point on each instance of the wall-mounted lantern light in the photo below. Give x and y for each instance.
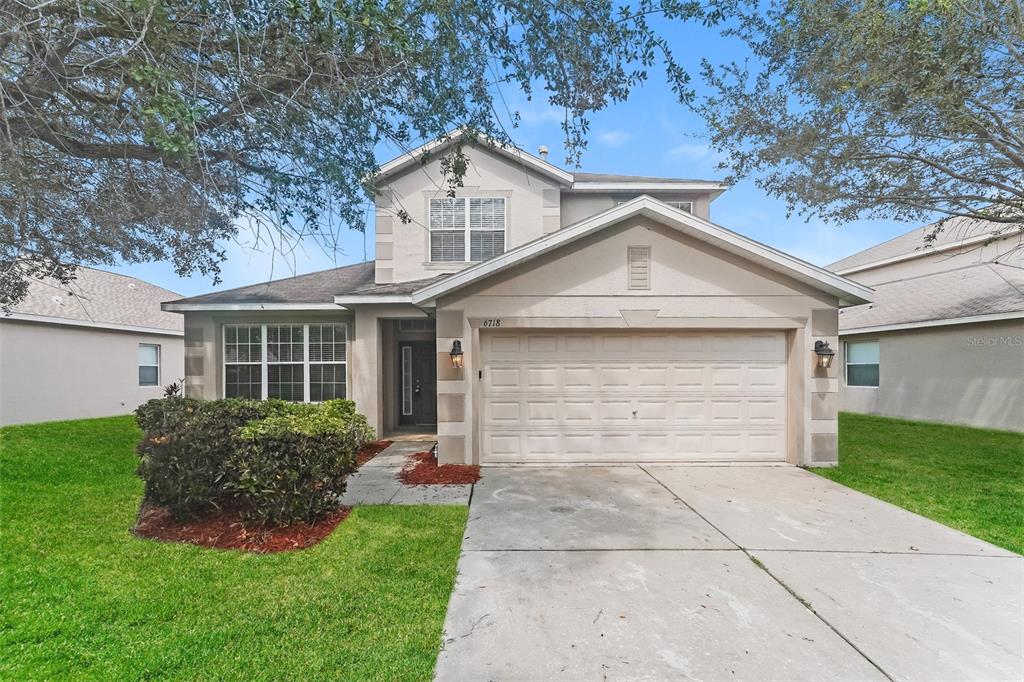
(824, 353)
(456, 354)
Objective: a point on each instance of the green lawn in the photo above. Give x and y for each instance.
(971, 479)
(82, 598)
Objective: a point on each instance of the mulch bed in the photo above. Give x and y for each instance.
(370, 450)
(423, 469)
(226, 530)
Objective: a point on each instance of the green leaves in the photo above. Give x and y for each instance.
(901, 110)
(187, 116)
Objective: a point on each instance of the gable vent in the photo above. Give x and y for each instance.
(638, 262)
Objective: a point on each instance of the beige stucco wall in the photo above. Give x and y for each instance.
(204, 368)
(962, 374)
(402, 248)
(693, 286)
(50, 372)
(577, 207)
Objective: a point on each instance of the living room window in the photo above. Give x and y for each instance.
(299, 362)
(466, 229)
(862, 360)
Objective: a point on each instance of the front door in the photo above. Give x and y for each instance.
(417, 388)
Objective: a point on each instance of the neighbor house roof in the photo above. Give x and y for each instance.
(97, 298)
(955, 232)
(985, 291)
(847, 291)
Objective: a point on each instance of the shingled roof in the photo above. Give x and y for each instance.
(982, 289)
(315, 287)
(99, 298)
(955, 230)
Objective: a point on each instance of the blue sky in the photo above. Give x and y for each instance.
(651, 134)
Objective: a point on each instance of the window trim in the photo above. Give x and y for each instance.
(467, 229)
(263, 363)
(157, 365)
(847, 363)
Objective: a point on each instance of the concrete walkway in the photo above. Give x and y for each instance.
(743, 573)
(375, 482)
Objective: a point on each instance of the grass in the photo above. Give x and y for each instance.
(82, 598)
(970, 479)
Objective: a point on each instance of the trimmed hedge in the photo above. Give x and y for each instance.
(273, 461)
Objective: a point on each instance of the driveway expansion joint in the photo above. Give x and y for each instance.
(757, 562)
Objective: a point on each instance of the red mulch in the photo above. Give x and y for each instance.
(423, 469)
(226, 530)
(370, 450)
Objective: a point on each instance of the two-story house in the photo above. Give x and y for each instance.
(944, 338)
(546, 316)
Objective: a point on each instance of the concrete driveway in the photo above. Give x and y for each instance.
(756, 573)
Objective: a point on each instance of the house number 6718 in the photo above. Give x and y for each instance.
(492, 322)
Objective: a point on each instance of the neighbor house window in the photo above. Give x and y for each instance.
(149, 364)
(862, 363)
(466, 229)
(297, 362)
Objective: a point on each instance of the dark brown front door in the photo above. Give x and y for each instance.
(417, 385)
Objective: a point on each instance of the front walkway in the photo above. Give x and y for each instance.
(375, 482)
(661, 572)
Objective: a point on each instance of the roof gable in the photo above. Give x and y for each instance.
(848, 292)
(419, 155)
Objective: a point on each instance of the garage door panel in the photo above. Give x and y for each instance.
(597, 396)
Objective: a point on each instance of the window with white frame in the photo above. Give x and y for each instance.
(327, 362)
(243, 361)
(286, 354)
(466, 229)
(149, 364)
(300, 362)
(681, 205)
(862, 361)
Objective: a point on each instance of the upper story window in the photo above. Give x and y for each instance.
(862, 360)
(467, 229)
(681, 205)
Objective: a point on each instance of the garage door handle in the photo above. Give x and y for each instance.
(634, 412)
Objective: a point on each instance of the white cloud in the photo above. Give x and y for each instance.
(613, 138)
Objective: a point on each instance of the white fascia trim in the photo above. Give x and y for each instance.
(974, 319)
(363, 300)
(848, 291)
(193, 307)
(698, 186)
(926, 251)
(46, 319)
(414, 156)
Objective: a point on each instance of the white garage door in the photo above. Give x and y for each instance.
(633, 396)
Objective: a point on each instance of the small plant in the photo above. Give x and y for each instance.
(174, 389)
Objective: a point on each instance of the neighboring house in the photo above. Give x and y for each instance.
(97, 347)
(944, 338)
(602, 318)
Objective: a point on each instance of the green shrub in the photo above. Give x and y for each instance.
(272, 460)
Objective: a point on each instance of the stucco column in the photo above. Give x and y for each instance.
(365, 373)
(453, 407)
(824, 414)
